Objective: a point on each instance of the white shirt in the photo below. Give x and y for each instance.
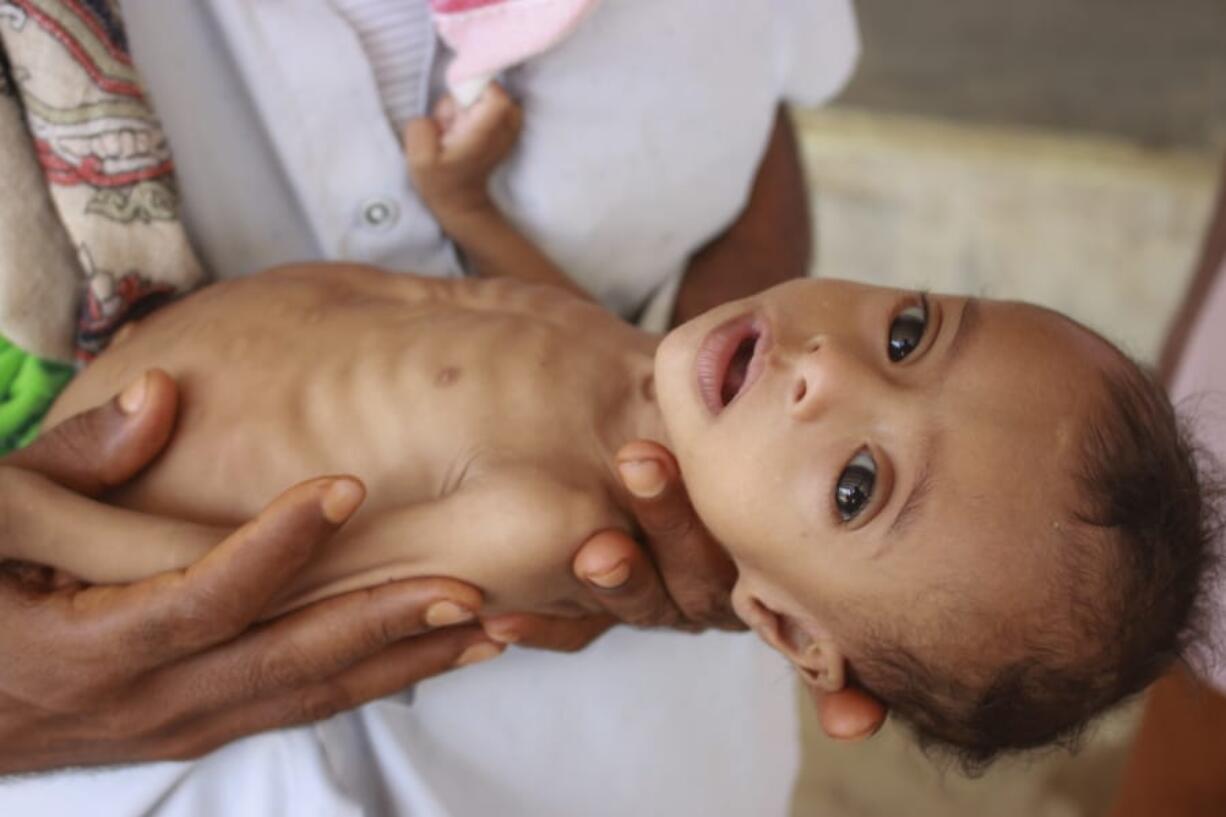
(642, 135)
(642, 132)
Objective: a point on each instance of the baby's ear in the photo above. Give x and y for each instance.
(822, 665)
(812, 649)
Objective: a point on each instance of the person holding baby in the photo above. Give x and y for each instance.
(232, 83)
(493, 246)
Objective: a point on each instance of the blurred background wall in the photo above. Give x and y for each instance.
(1153, 71)
(1060, 151)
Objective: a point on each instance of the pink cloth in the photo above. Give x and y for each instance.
(1199, 392)
(489, 36)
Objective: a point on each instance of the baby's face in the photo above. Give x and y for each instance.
(867, 454)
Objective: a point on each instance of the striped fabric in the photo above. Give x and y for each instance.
(398, 38)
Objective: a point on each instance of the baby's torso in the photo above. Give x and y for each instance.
(477, 413)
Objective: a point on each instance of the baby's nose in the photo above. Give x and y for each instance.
(822, 375)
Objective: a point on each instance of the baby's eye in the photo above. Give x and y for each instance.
(855, 486)
(907, 330)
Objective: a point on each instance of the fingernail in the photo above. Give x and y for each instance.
(133, 397)
(643, 478)
(613, 577)
(446, 614)
(478, 653)
(503, 635)
(341, 499)
(868, 733)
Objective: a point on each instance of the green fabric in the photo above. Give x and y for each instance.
(28, 386)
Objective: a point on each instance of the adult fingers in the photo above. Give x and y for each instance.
(547, 632)
(698, 573)
(108, 445)
(849, 714)
(314, 644)
(184, 612)
(395, 668)
(624, 581)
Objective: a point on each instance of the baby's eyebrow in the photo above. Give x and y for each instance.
(921, 487)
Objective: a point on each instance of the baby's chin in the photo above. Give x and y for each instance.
(675, 393)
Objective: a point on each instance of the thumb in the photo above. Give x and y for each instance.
(850, 714)
(697, 571)
(108, 445)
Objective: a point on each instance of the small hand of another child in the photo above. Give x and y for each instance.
(452, 153)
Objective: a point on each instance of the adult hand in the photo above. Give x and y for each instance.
(683, 579)
(172, 667)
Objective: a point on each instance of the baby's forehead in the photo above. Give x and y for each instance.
(1010, 418)
(1052, 328)
(1023, 355)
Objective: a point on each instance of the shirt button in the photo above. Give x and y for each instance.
(380, 213)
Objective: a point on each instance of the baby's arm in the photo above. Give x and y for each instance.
(511, 531)
(92, 541)
(513, 534)
(451, 156)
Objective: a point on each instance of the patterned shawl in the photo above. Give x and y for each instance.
(89, 228)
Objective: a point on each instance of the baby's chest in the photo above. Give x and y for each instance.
(511, 397)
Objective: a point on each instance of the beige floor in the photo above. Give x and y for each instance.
(1099, 229)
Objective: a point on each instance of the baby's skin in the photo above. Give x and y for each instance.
(876, 462)
(866, 455)
(482, 416)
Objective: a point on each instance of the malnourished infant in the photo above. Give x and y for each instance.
(978, 510)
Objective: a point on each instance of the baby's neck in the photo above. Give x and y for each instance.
(639, 418)
(636, 416)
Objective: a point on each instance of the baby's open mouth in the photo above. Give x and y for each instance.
(729, 360)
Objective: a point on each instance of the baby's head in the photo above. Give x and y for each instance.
(979, 511)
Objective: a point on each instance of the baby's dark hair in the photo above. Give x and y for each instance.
(1134, 558)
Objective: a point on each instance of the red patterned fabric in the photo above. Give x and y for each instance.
(104, 159)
